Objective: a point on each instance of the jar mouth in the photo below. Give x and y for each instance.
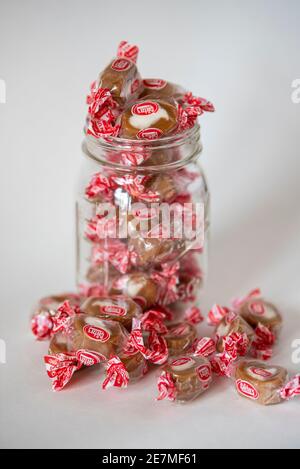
(189, 140)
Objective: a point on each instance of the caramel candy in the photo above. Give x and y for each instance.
(122, 79)
(260, 382)
(52, 302)
(136, 365)
(41, 320)
(232, 324)
(116, 308)
(191, 376)
(155, 250)
(256, 311)
(161, 89)
(138, 286)
(180, 337)
(149, 119)
(90, 333)
(163, 185)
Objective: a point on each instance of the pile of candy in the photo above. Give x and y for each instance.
(114, 331)
(121, 104)
(135, 325)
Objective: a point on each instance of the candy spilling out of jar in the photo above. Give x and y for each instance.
(136, 311)
(126, 342)
(122, 104)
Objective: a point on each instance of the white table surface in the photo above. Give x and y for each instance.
(244, 57)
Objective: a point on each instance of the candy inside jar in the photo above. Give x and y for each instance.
(153, 246)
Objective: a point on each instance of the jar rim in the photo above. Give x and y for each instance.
(91, 147)
(160, 143)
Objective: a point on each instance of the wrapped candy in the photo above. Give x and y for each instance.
(184, 378)
(152, 346)
(124, 369)
(121, 76)
(264, 317)
(161, 89)
(44, 312)
(265, 384)
(255, 310)
(83, 341)
(139, 286)
(155, 250)
(189, 106)
(149, 119)
(119, 83)
(116, 308)
(230, 325)
(180, 337)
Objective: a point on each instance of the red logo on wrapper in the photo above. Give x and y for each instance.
(182, 361)
(257, 308)
(246, 389)
(261, 372)
(204, 372)
(113, 310)
(154, 83)
(120, 65)
(96, 333)
(89, 358)
(146, 108)
(149, 134)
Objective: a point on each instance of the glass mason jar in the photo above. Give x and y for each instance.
(143, 219)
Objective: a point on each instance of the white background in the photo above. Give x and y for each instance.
(243, 55)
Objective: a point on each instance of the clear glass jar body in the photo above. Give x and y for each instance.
(134, 200)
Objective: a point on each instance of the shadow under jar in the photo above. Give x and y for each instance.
(143, 219)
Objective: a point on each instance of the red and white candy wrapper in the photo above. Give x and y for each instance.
(239, 301)
(291, 389)
(101, 104)
(60, 367)
(115, 252)
(261, 347)
(128, 51)
(45, 324)
(117, 375)
(100, 187)
(135, 185)
(190, 109)
(156, 350)
(107, 94)
(167, 281)
(206, 346)
(166, 387)
(42, 325)
(216, 314)
(136, 156)
(153, 320)
(63, 315)
(235, 345)
(193, 315)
